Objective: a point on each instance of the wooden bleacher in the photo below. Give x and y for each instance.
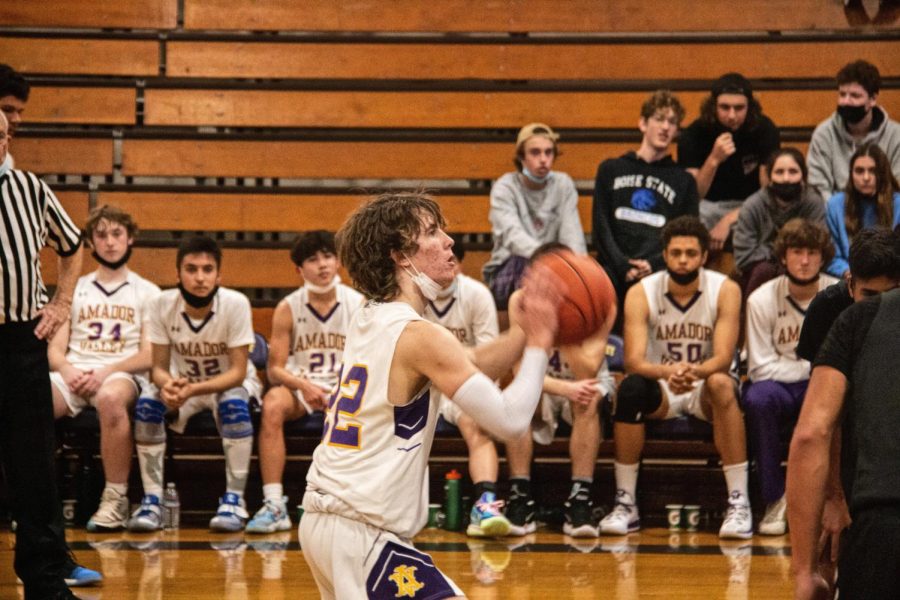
(253, 120)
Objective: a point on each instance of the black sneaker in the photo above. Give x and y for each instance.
(520, 514)
(580, 519)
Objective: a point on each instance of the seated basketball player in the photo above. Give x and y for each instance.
(307, 342)
(681, 328)
(200, 336)
(778, 377)
(576, 381)
(99, 356)
(466, 308)
(366, 492)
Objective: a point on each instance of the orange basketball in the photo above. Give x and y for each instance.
(588, 298)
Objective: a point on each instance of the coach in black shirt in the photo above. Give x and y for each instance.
(30, 218)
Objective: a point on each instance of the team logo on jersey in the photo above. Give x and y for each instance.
(404, 576)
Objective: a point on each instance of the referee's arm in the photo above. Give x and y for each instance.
(56, 312)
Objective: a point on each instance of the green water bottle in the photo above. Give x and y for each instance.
(452, 501)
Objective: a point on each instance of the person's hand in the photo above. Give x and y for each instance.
(53, 315)
(681, 379)
(170, 393)
(542, 292)
(643, 267)
(811, 586)
(835, 518)
(723, 148)
(74, 379)
(313, 394)
(718, 235)
(583, 391)
(633, 274)
(92, 381)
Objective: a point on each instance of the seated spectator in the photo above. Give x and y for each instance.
(725, 149)
(14, 91)
(764, 213)
(636, 194)
(101, 356)
(532, 206)
(777, 377)
(681, 330)
(308, 330)
(200, 336)
(466, 308)
(871, 197)
(576, 382)
(858, 120)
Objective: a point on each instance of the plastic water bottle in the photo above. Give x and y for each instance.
(171, 507)
(452, 501)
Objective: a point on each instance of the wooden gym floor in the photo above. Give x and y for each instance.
(194, 564)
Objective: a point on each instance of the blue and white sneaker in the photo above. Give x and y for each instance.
(232, 514)
(270, 518)
(486, 518)
(82, 576)
(148, 516)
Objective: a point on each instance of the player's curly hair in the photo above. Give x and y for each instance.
(111, 213)
(390, 222)
(802, 233)
(685, 226)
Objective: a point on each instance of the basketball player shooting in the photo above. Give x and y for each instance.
(366, 492)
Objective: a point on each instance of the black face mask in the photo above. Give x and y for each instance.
(197, 301)
(801, 282)
(786, 191)
(683, 278)
(112, 265)
(852, 114)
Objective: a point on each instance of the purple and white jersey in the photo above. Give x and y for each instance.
(681, 333)
(317, 341)
(199, 350)
(374, 456)
(107, 319)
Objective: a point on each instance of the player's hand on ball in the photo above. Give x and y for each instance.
(542, 291)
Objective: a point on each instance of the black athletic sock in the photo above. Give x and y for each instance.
(519, 486)
(484, 486)
(581, 490)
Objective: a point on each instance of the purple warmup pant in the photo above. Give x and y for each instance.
(772, 408)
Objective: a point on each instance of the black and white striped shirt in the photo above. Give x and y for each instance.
(31, 217)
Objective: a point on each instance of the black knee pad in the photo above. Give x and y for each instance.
(636, 398)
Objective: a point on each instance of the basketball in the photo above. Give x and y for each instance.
(588, 298)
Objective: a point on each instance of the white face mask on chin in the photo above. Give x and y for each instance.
(428, 286)
(322, 289)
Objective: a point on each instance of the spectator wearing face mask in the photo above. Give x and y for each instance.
(764, 213)
(858, 120)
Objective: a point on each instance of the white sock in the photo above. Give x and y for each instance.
(626, 478)
(119, 488)
(736, 481)
(274, 492)
(237, 463)
(151, 458)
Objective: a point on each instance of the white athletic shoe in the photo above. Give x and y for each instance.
(112, 513)
(774, 521)
(270, 518)
(623, 519)
(148, 516)
(738, 523)
(231, 516)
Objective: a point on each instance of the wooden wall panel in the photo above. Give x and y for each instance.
(75, 204)
(82, 105)
(82, 56)
(627, 61)
(586, 16)
(121, 14)
(345, 160)
(79, 156)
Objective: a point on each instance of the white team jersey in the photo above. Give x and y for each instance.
(199, 350)
(681, 333)
(558, 368)
(107, 319)
(468, 312)
(374, 455)
(774, 320)
(317, 341)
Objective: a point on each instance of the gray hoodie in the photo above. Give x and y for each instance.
(832, 146)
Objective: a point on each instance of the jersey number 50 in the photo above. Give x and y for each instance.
(346, 402)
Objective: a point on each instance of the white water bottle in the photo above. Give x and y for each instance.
(171, 507)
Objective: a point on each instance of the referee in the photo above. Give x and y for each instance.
(30, 218)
